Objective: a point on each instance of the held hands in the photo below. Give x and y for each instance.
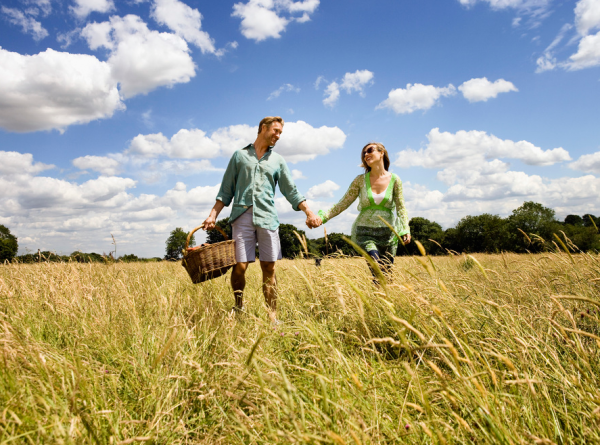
(313, 221)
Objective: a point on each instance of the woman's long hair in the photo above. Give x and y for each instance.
(379, 146)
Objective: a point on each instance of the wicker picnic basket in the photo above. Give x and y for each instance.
(210, 261)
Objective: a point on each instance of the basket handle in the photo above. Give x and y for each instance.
(187, 241)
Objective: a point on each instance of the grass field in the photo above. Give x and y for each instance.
(505, 349)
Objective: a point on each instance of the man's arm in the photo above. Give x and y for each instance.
(209, 223)
(312, 220)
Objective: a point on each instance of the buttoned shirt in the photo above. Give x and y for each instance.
(250, 181)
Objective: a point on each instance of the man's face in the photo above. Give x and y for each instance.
(272, 133)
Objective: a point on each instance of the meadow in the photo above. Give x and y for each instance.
(457, 349)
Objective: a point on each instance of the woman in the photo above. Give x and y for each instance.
(379, 194)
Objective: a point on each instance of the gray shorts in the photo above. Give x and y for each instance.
(246, 235)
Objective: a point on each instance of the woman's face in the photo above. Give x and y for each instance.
(373, 157)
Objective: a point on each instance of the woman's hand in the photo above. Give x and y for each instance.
(406, 239)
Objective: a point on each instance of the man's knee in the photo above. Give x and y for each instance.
(268, 267)
(240, 268)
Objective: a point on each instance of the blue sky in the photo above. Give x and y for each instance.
(119, 117)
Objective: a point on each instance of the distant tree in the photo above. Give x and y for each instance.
(214, 236)
(290, 245)
(131, 258)
(175, 244)
(533, 219)
(8, 244)
(587, 220)
(481, 233)
(422, 230)
(574, 220)
(335, 243)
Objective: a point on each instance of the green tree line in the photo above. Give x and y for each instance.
(529, 228)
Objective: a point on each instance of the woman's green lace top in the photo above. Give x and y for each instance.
(368, 231)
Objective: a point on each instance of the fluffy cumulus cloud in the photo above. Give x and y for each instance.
(28, 24)
(587, 20)
(299, 142)
(297, 174)
(52, 90)
(352, 82)
(263, 19)
(471, 164)
(587, 16)
(324, 190)
(415, 97)
(587, 55)
(83, 8)
(141, 59)
(478, 150)
(481, 89)
(101, 164)
(185, 21)
(59, 215)
(589, 163)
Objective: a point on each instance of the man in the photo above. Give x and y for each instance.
(250, 180)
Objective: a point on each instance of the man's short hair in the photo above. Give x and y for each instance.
(268, 121)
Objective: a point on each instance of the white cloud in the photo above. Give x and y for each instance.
(286, 87)
(589, 163)
(333, 94)
(303, 142)
(141, 60)
(297, 174)
(324, 190)
(535, 7)
(52, 90)
(357, 81)
(587, 55)
(28, 23)
(13, 163)
(472, 150)
(102, 164)
(58, 215)
(263, 19)
(299, 142)
(481, 89)
(184, 21)
(415, 97)
(186, 144)
(587, 16)
(350, 83)
(547, 61)
(318, 82)
(83, 8)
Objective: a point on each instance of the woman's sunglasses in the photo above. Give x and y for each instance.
(370, 150)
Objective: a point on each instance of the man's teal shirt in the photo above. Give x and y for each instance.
(250, 181)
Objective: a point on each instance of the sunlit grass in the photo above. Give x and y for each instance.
(488, 349)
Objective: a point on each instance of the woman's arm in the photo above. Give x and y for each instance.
(349, 198)
(401, 211)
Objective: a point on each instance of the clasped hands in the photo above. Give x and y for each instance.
(313, 221)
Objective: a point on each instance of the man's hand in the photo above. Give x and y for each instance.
(210, 222)
(313, 221)
(406, 238)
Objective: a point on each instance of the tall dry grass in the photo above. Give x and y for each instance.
(495, 349)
